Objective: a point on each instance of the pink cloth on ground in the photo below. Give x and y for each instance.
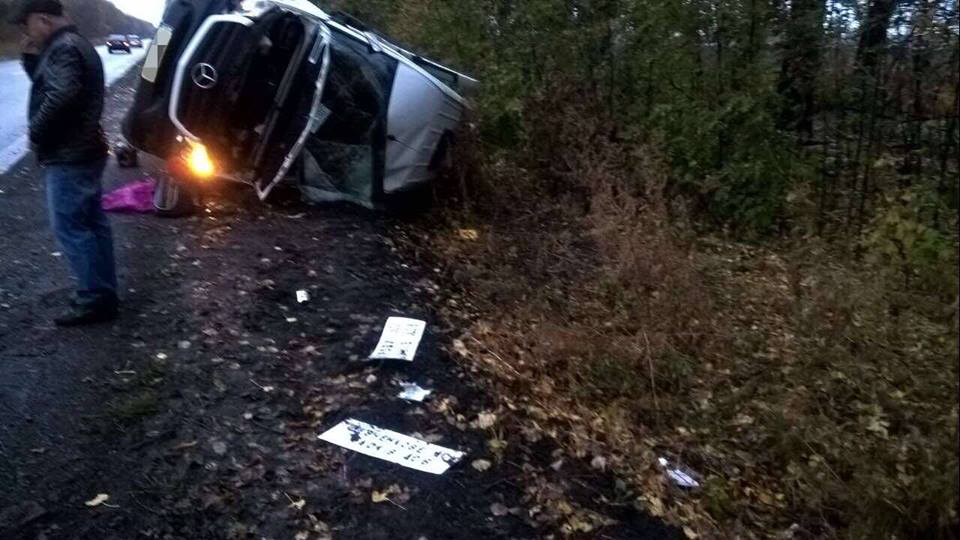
(136, 197)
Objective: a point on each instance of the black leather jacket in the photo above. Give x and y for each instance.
(66, 100)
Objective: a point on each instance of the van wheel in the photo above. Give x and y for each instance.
(443, 154)
(174, 199)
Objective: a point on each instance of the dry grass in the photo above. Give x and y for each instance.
(806, 403)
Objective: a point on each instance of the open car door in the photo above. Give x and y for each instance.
(297, 110)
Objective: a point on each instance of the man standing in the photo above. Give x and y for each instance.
(66, 103)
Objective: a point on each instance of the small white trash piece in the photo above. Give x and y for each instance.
(413, 392)
(392, 447)
(680, 478)
(303, 297)
(400, 339)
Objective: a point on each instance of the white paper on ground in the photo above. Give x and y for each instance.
(399, 340)
(413, 392)
(303, 296)
(391, 446)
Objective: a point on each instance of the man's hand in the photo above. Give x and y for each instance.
(27, 46)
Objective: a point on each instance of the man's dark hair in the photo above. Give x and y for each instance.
(26, 7)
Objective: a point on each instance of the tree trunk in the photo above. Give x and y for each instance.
(873, 38)
(801, 62)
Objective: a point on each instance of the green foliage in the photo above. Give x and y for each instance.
(731, 158)
(900, 241)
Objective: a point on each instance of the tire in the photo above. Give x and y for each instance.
(173, 199)
(443, 154)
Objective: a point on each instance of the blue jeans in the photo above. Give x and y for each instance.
(83, 230)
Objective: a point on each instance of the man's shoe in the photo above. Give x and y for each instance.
(80, 316)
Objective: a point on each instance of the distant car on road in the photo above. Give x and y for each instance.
(135, 41)
(118, 42)
(270, 91)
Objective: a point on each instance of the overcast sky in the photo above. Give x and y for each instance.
(148, 10)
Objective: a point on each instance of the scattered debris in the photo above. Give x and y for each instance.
(392, 447)
(400, 339)
(98, 500)
(681, 478)
(413, 392)
(303, 297)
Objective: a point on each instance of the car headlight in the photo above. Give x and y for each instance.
(199, 161)
(192, 161)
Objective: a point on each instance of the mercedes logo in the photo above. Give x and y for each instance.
(204, 76)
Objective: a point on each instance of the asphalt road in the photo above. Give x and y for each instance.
(15, 92)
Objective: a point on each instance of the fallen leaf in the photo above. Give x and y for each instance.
(497, 445)
(219, 448)
(499, 510)
(486, 420)
(655, 506)
(185, 445)
(469, 234)
(690, 533)
(579, 525)
(482, 465)
(98, 500)
(460, 348)
(379, 497)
